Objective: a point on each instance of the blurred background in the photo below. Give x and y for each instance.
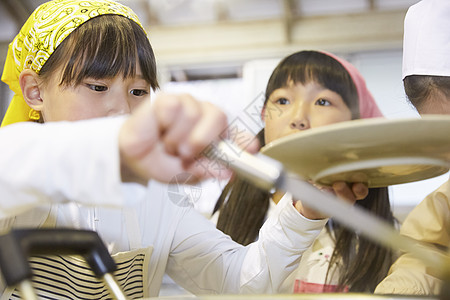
(223, 51)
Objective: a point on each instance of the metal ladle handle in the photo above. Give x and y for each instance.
(19, 244)
(268, 173)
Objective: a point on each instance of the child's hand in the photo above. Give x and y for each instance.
(350, 192)
(163, 139)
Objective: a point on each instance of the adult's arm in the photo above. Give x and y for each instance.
(428, 222)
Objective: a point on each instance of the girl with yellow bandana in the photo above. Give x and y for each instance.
(111, 43)
(77, 60)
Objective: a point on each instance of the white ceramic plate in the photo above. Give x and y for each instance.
(378, 151)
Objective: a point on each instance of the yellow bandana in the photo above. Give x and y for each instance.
(44, 30)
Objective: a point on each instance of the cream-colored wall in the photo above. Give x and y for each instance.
(244, 41)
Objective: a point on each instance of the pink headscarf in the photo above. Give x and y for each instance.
(368, 108)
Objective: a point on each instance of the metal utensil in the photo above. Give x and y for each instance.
(17, 245)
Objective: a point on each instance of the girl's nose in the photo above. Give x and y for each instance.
(300, 124)
(299, 119)
(120, 105)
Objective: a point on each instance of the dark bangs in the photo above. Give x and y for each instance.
(103, 47)
(312, 66)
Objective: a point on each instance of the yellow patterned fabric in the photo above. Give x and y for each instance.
(44, 30)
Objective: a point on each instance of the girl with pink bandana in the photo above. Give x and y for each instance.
(310, 89)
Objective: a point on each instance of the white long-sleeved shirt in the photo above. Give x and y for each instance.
(70, 172)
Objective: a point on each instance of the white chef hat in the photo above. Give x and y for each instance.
(426, 41)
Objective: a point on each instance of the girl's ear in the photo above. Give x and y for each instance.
(31, 91)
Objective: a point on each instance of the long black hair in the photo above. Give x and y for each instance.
(243, 206)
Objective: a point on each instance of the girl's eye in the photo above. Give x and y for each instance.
(323, 102)
(282, 101)
(97, 88)
(139, 92)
